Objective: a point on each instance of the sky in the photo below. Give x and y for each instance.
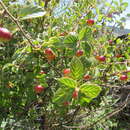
(127, 26)
(128, 11)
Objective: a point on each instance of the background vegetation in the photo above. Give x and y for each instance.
(91, 93)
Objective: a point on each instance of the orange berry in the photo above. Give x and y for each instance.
(66, 71)
(90, 22)
(51, 57)
(87, 77)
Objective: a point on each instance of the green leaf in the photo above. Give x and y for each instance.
(85, 100)
(62, 95)
(125, 4)
(7, 66)
(82, 33)
(116, 3)
(87, 47)
(123, 19)
(90, 91)
(53, 40)
(76, 68)
(34, 15)
(128, 15)
(107, 4)
(71, 39)
(86, 61)
(85, 34)
(68, 82)
(31, 11)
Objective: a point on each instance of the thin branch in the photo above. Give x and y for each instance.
(110, 114)
(16, 22)
(116, 73)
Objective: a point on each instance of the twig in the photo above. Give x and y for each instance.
(116, 73)
(124, 62)
(16, 22)
(78, 21)
(110, 114)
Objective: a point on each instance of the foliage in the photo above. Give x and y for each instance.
(24, 65)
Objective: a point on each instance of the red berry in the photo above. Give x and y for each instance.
(63, 34)
(95, 30)
(87, 77)
(79, 53)
(66, 103)
(38, 88)
(75, 94)
(66, 71)
(48, 51)
(42, 72)
(109, 15)
(51, 57)
(110, 41)
(5, 35)
(118, 55)
(90, 22)
(123, 77)
(101, 58)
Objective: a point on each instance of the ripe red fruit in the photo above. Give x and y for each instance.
(87, 77)
(63, 34)
(5, 35)
(75, 94)
(90, 22)
(118, 55)
(79, 53)
(123, 77)
(66, 103)
(51, 57)
(95, 30)
(66, 71)
(42, 72)
(109, 15)
(48, 51)
(101, 58)
(110, 42)
(38, 88)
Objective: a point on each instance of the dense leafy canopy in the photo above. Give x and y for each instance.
(35, 92)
